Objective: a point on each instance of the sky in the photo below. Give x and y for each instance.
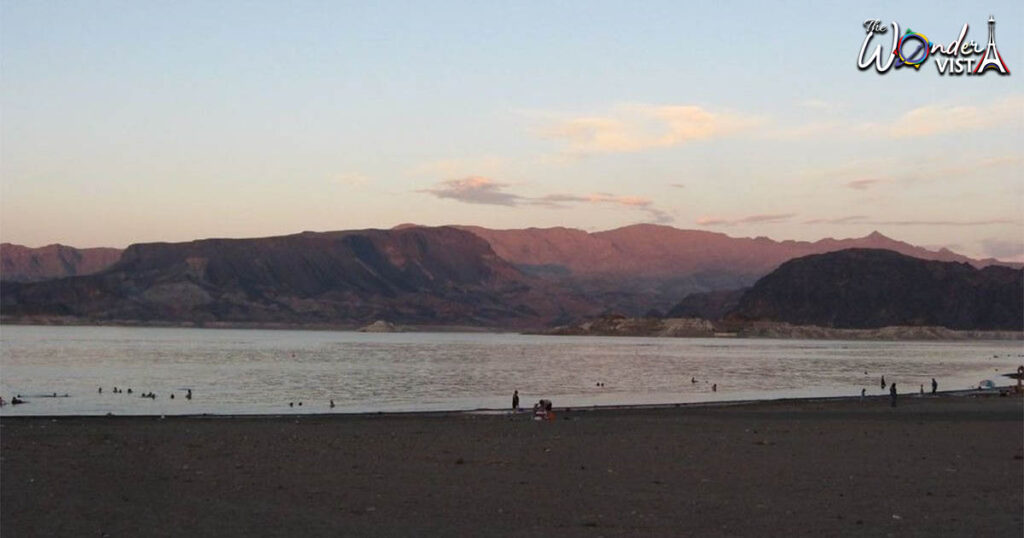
(139, 121)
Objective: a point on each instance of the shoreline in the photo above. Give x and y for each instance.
(754, 331)
(995, 392)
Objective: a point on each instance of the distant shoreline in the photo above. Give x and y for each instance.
(999, 391)
(629, 327)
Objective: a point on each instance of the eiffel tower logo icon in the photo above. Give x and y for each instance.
(991, 58)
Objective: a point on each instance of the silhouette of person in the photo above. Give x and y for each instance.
(883, 382)
(515, 400)
(935, 385)
(332, 404)
(863, 391)
(189, 395)
(100, 390)
(693, 380)
(714, 388)
(892, 393)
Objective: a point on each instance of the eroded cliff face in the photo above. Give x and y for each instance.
(419, 275)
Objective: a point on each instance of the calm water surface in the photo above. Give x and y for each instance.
(255, 371)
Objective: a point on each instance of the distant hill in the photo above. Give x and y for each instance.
(870, 288)
(657, 251)
(642, 267)
(24, 264)
(418, 275)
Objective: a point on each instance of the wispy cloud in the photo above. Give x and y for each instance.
(635, 202)
(850, 219)
(862, 184)
(482, 190)
(861, 219)
(772, 218)
(933, 120)
(924, 121)
(942, 222)
(475, 190)
(893, 172)
(638, 127)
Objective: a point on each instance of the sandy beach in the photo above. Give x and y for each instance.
(934, 466)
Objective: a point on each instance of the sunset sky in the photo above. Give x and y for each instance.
(134, 121)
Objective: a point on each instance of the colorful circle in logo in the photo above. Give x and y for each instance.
(910, 56)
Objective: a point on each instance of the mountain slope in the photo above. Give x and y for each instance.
(642, 267)
(23, 264)
(657, 251)
(868, 288)
(419, 275)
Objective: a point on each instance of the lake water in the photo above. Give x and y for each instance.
(260, 372)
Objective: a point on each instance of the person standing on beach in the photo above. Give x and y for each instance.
(883, 382)
(935, 385)
(892, 394)
(515, 400)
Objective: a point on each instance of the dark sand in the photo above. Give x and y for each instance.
(943, 466)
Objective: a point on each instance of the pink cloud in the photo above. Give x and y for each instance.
(767, 218)
(639, 127)
(932, 120)
(482, 190)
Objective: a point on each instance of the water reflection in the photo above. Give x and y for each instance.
(251, 371)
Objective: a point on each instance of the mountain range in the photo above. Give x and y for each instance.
(412, 274)
(416, 275)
